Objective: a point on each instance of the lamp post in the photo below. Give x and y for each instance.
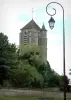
(51, 25)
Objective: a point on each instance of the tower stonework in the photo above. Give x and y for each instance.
(32, 34)
(43, 44)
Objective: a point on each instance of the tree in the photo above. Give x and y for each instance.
(7, 51)
(25, 75)
(53, 81)
(62, 83)
(4, 72)
(43, 69)
(23, 66)
(8, 56)
(3, 48)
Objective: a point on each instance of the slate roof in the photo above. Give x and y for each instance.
(43, 27)
(30, 25)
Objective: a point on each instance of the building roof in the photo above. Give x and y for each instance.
(30, 25)
(43, 27)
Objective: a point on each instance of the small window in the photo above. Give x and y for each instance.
(25, 32)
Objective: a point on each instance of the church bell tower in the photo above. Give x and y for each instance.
(32, 34)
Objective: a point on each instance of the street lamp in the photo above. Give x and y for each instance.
(51, 24)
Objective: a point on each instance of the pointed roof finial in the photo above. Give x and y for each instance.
(43, 27)
(32, 13)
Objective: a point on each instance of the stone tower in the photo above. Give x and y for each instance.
(32, 34)
(43, 44)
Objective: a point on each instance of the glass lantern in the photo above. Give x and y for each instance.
(51, 23)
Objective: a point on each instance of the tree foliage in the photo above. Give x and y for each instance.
(24, 67)
(25, 75)
(7, 56)
(62, 78)
(48, 75)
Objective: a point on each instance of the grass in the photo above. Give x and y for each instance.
(28, 98)
(18, 98)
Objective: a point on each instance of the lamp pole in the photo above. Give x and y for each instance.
(51, 24)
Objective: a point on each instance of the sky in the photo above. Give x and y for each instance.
(14, 14)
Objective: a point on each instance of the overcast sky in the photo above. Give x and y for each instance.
(14, 14)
